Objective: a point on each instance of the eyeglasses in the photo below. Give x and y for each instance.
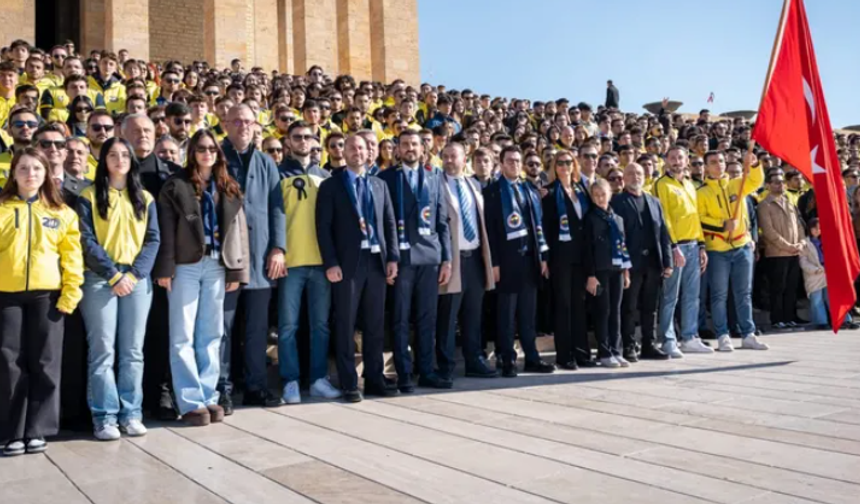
(287, 118)
(21, 124)
(697, 163)
(157, 119)
(564, 162)
(590, 156)
(325, 107)
(243, 122)
(533, 164)
(614, 179)
(336, 145)
(172, 81)
(300, 138)
(47, 144)
(101, 127)
(181, 122)
(273, 150)
(212, 93)
(336, 98)
(203, 149)
(59, 56)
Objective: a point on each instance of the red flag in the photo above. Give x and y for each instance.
(793, 124)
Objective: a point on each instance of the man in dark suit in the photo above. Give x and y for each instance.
(471, 269)
(425, 260)
(357, 237)
(651, 255)
(519, 255)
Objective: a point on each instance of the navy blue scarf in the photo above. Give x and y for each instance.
(563, 221)
(365, 209)
(620, 257)
(424, 212)
(515, 226)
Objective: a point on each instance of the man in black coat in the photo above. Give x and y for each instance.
(357, 236)
(425, 261)
(612, 96)
(650, 252)
(519, 256)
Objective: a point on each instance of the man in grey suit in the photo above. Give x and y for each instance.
(471, 269)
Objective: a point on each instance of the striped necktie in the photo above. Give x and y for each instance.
(466, 211)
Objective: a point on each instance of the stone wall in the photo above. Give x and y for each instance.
(176, 30)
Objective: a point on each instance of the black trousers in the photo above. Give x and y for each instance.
(607, 317)
(517, 312)
(784, 276)
(643, 294)
(31, 344)
(569, 313)
(416, 292)
(364, 292)
(157, 381)
(466, 306)
(74, 412)
(255, 321)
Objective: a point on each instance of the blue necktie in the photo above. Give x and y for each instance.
(466, 210)
(410, 177)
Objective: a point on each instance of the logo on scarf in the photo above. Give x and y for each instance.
(564, 224)
(362, 225)
(515, 220)
(425, 215)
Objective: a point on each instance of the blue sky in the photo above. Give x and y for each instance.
(546, 49)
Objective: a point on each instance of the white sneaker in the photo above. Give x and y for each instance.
(670, 348)
(621, 360)
(323, 388)
(610, 362)
(107, 433)
(725, 343)
(291, 393)
(133, 428)
(751, 342)
(695, 345)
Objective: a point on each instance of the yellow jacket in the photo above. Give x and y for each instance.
(717, 200)
(40, 249)
(679, 209)
(113, 92)
(300, 201)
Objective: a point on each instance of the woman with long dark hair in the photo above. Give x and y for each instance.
(79, 113)
(40, 257)
(119, 232)
(204, 253)
(564, 209)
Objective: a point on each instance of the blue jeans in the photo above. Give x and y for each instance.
(819, 306)
(290, 289)
(196, 314)
(684, 282)
(116, 327)
(735, 268)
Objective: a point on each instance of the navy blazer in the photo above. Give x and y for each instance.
(506, 254)
(338, 231)
(623, 206)
(560, 252)
(434, 248)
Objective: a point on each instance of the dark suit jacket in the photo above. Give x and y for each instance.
(562, 252)
(597, 251)
(622, 204)
(506, 254)
(154, 173)
(337, 221)
(424, 250)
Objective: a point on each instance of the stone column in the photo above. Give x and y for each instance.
(126, 26)
(18, 21)
(353, 38)
(265, 33)
(394, 40)
(286, 61)
(225, 31)
(315, 35)
(92, 26)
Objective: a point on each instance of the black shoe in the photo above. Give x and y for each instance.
(630, 354)
(226, 402)
(36, 445)
(481, 370)
(433, 380)
(850, 326)
(568, 366)
(652, 352)
(586, 363)
(509, 370)
(406, 388)
(262, 398)
(379, 390)
(14, 448)
(352, 396)
(800, 322)
(539, 367)
(707, 334)
(167, 415)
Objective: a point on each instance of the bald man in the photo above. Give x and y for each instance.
(651, 254)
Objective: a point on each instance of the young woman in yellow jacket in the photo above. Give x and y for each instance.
(120, 237)
(41, 261)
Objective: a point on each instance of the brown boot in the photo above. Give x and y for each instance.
(197, 418)
(216, 413)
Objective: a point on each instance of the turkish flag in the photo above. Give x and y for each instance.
(793, 124)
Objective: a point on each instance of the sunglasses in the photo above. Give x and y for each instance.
(172, 81)
(336, 145)
(272, 150)
(47, 144)
(564, 162)
(299, 138)
(697, 163)
(614, 179)
(157, 119)
(212, 93)
(21, 124)
(533, 164)
(180, 122)
(590, 156)
(59, 56)
(203, 149)
(286, 118)
(101, 127)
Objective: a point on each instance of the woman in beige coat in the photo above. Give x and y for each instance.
(812, 265)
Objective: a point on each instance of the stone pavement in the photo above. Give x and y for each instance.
(755, 427)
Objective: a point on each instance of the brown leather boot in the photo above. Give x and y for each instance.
(197, 418)
(216, 413)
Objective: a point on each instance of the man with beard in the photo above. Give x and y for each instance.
(179, 121)
(22, 124)
(299, 139)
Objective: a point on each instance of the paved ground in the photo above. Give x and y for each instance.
(754, 427)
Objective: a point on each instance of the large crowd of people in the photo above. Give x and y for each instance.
(157, 220)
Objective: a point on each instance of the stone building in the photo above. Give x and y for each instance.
(369, 39)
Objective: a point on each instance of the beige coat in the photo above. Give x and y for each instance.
(780, 226)
(813, 272)
(455, 286)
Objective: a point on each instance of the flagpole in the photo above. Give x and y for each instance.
(777, 43)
